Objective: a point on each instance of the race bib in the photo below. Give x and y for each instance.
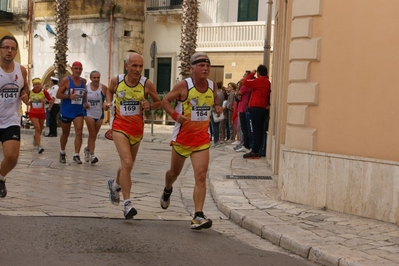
(200, 113)
(79, 97)
(93, 103)
(37, 104)
(8, 95)
(129, 108)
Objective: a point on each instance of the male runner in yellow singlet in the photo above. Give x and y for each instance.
(130, 92)
(191, 137)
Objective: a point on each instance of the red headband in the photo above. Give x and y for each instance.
(77, 64)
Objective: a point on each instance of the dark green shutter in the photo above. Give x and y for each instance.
(247, 10)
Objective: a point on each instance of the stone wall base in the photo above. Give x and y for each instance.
(354, 185)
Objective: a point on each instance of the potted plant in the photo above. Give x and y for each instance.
(160, 116)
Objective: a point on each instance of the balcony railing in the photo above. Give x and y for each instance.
(16, 7)
(157, 5)
(235, 36)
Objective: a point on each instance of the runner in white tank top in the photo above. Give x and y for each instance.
(13, 89)
(94, 114)
(95, 98)
(11, 85)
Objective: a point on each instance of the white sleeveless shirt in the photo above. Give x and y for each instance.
(11, 85)
(95, 100)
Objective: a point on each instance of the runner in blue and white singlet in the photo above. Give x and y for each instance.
(71, 108)
(72, 92)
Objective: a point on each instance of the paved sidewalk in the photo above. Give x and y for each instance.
(325, 237)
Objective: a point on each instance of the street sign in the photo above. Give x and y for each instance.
(153, 49)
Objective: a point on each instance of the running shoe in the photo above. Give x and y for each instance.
(242, 149)
(76, 159)
(93, 159)
(239, 146)
(3, 189)
(113, 193)
(40, 150)
(87, 154)
(62, 157)
(165, 199)
(199, 223)
(128, 210)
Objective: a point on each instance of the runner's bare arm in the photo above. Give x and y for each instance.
(150, 90)
(179, 91)
(109, 95)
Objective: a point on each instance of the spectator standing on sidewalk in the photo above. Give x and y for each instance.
(222, 123)
(236, 121)
(130, 91)
(216, 125)
(258, 107)
(54, 109)
(94, 114)
(37, 114)
(231, 97)
(244, 116)
(195, 98)
(14, 87)
(72, 92)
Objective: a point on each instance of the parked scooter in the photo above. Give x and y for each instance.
(25, 121)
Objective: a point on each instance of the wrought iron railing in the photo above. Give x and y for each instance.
(154, 5)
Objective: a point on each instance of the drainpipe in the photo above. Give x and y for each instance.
(266, 62)
(267, 47)
(111, 26)
(29, 46)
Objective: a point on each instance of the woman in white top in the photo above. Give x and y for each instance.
(94, 114)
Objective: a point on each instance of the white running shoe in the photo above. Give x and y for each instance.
(242, 149)
(87, 154)
(113, 193)
(199, 223)
(165, 199)
(93, 159)
(128, 210)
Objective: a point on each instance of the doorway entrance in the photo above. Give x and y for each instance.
(217, 73)
(164, 69)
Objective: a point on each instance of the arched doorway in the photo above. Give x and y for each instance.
(50, 72)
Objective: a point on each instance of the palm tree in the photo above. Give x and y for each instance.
(61, 37)
(112, 8)
(188, 35)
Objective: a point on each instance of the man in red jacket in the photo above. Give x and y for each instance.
(258, 107)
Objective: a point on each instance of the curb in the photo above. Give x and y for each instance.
(277, 227)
